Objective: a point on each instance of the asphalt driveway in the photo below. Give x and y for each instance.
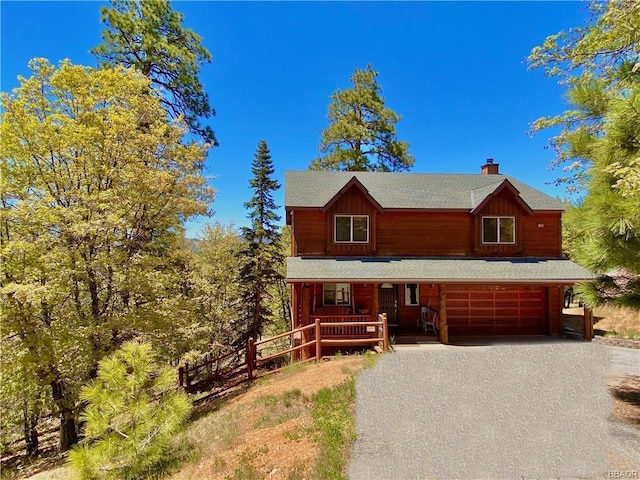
(522, 410)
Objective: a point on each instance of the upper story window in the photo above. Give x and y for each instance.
(498, 230)
(336, 294)
(351, 229)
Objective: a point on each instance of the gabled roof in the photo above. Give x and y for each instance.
(435, 270)
(486, 193)
(315, 189)
(355, 183)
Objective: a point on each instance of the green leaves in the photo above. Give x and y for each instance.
(95, 185)
(361, 135)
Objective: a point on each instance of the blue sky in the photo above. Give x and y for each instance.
(455, 71)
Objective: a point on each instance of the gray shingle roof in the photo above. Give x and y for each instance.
(408, 190)
(436, 270)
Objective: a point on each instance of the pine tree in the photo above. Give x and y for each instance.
(599, 144)
(606, 224)
(362, 134)
(262, 252)
(148, 34)
(603, 54)
(133, 411)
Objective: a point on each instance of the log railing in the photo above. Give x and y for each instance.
(344, 325)
(247, 363)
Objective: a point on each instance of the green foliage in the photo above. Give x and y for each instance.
(605, 227)
(361, 135)
(215, 293)
(599, 145)
(334, 424)
(262, 251)
(148, 35)
(94, 185)
(133, 412)
(597, 62)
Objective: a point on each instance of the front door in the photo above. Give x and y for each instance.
(388, 302)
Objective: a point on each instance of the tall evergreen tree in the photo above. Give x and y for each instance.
(604, 54)
(262, 251)
(361, 135)
(149, 35)
(599, 144)
(606, 224)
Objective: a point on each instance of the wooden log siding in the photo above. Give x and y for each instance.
(353, 202)
(425, 234)
(431, 234)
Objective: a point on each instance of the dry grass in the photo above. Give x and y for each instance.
(618, 322)
(609, 321)
(265, 432)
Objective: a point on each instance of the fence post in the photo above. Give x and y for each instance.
(250, 358)
(318, 341)
(180, 377)
(385, 333)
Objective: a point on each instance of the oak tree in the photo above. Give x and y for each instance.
(95, 184)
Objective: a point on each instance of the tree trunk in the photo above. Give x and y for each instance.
(68, 431)
(30, 423)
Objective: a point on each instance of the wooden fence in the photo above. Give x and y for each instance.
(252, 361)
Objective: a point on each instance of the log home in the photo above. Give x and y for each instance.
(463, 254)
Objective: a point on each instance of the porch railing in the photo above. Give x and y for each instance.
(244, 364)
(345, 325)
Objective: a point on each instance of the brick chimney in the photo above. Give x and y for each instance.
(490, 168)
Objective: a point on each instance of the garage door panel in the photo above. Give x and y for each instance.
(495, 310)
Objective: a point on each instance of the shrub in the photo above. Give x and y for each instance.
(133, 412)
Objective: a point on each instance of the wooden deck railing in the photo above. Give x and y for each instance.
(344, 325)
(247, 363)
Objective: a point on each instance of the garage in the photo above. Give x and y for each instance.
(496, 310)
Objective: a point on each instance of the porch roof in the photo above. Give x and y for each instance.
(435, 270)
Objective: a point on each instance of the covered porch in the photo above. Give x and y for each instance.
(466, 296)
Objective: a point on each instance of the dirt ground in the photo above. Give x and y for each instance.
(241, 448)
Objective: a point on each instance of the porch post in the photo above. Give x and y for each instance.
(444, 328)
(293, 299)
(296, 338)
(587, 324)
(306, 352)
(554, 309)
(375, 303)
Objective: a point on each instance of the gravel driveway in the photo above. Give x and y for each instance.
(517, 411)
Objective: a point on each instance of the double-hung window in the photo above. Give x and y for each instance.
(337, 294)
(498, 230)
(351, 229)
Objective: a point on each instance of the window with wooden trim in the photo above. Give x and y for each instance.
(336, 294)
(411, 294)
(498, 230)
(351, 229)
